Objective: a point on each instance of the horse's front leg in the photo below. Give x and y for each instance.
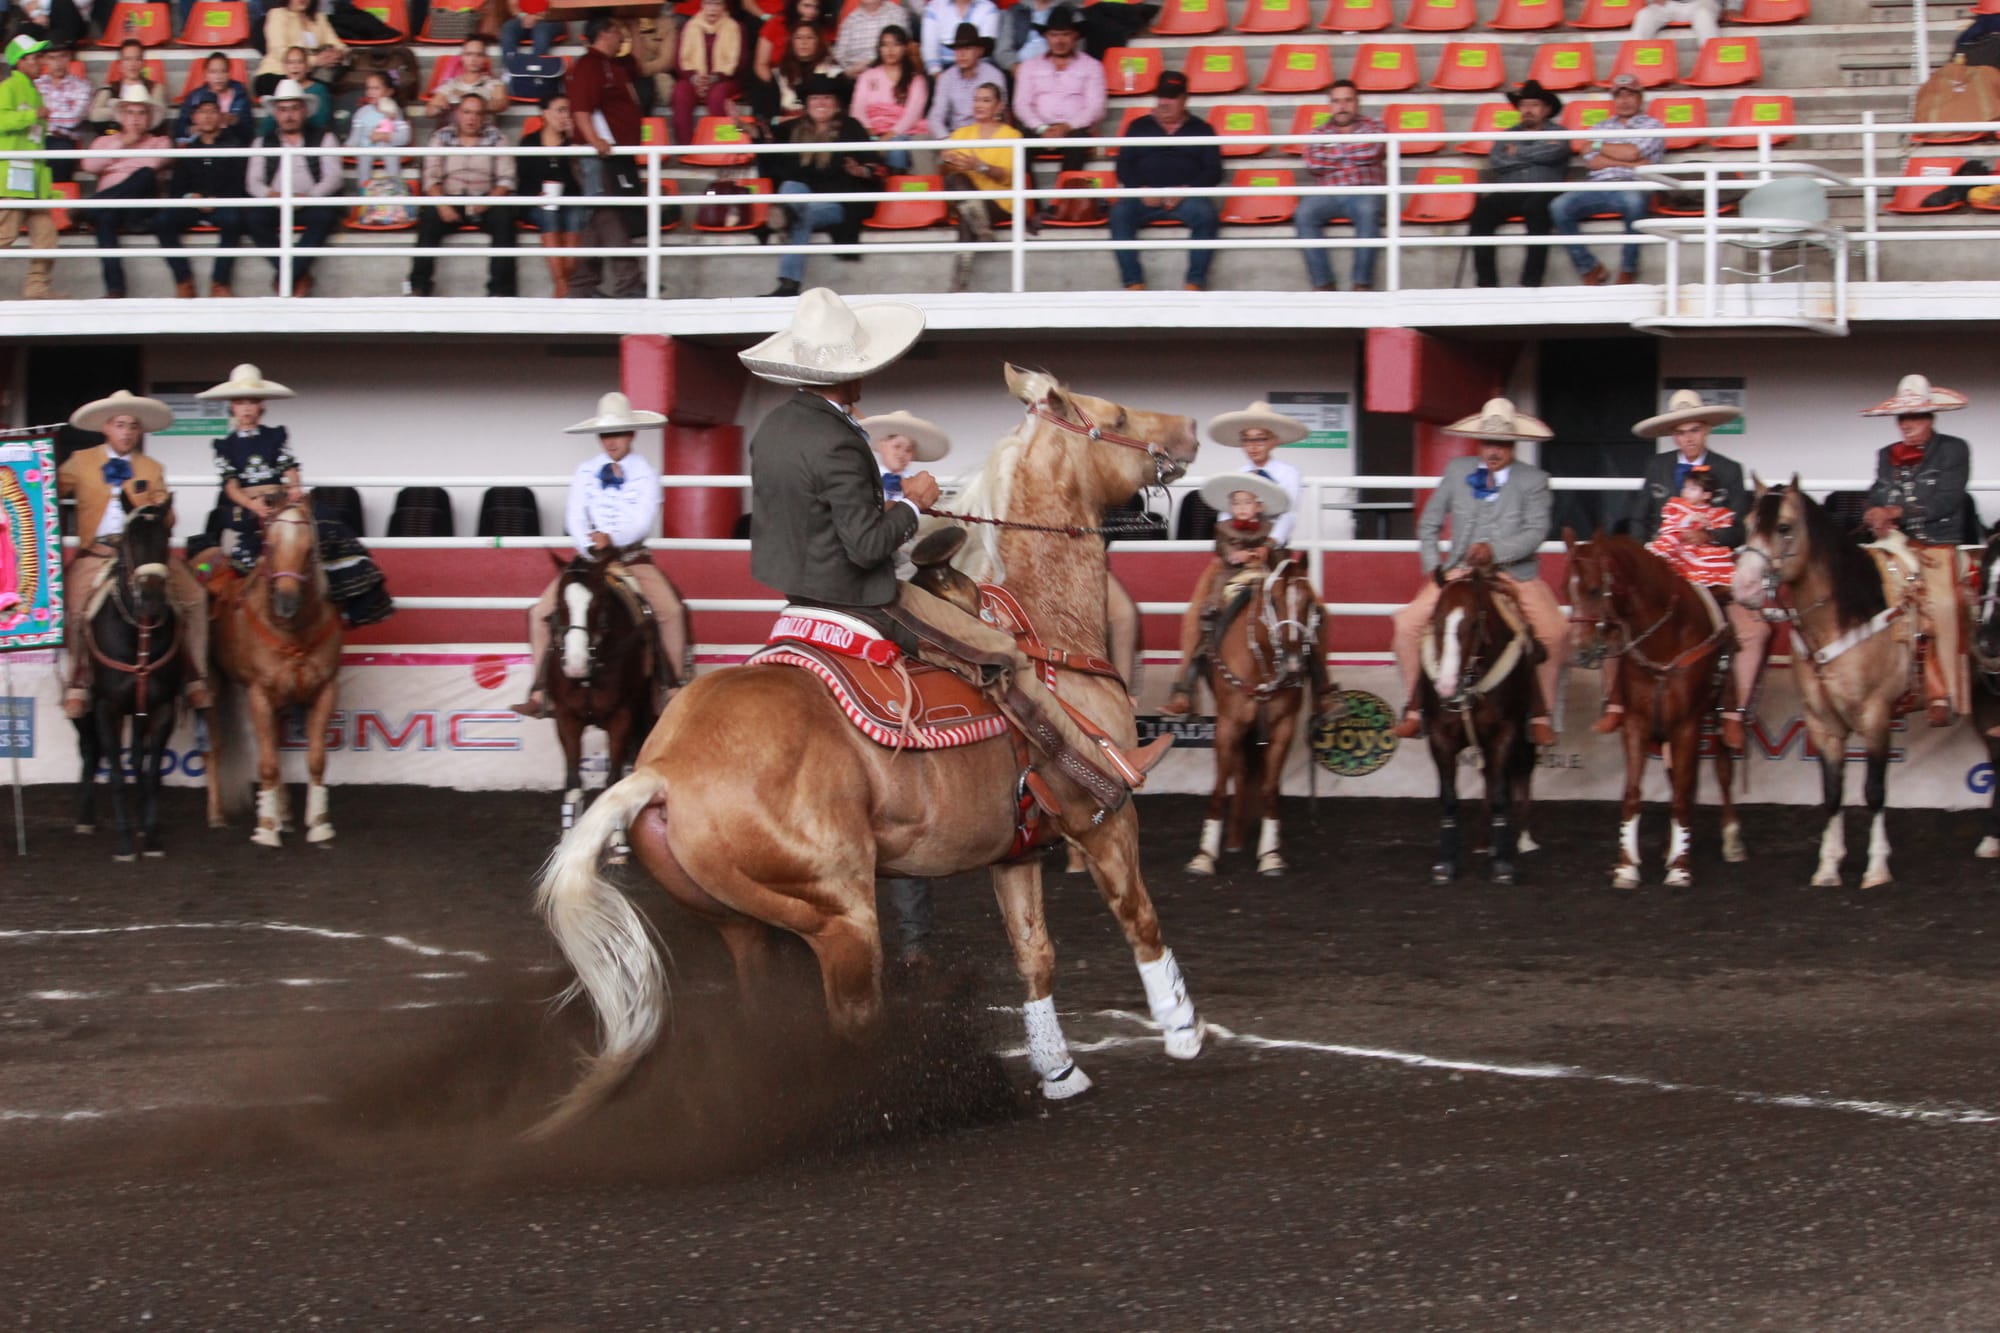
(319, 824)
(1503, 765)
(569, 734)
(91, 753)
(1876, 791)
(110, 738)
(152, 760)
(1445, 869)
(1270, 861)
(270, 810)
(1832, 774)
(1684, 773)
(1114, 864)
(1734, 849)
(1989, 846)
(1228, 763)
(1018, 888)
(1626, 873)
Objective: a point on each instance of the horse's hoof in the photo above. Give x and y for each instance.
(1066, 1083)
(1203, 864)
(88, 829)
(1826, 879)
(123, 857)
(217, 821)
(1678, 879)
(1270, 863)
(1503, 874)
(320, 833)
(1876, 879)
(1526, 842)
(1625, 877)
(267, 837)
(154, 853)
(1185, 1043)
(1988, 849)
(1442, 873)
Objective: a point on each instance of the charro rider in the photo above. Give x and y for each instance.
(1688, 421)
(259, 474)
(823, 534)
(98, 478)
(614, 503)
(1499, 513)
(1919, 491)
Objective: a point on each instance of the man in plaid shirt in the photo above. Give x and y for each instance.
(445, 177)
(67, 96)
(1339, 160)
(1613, 163)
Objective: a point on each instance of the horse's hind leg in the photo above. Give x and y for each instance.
(1684, 773)
(1018, 888)
(1734, 849)
(91, 753)
(319, 825)
(848, 944)
(1114, 864)
(1877, 792)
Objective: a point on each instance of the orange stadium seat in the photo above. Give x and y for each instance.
(1307, 120)
(147, 22)
(721, 130)
(1215, 69)
(1268, 210)
(1441, 210)
(1727, 62)
(1752, 110)
(1191, 18)
(1131, 71)
(1680, 113)
(1771, 11)
(1564, 66)
(652, 130)
(1275, 16)
(1357, 16)
(1084, 180)
(216, 23)
(445, 7)
(1585, 114)
(1490, 118)
(1415, 118)
(1440, 15)
(754, 216)
(1243, 120)
(1470, 67)
(198, 74)
(1131, 114)
(1653, 64)
(1381, 67)
(1936, 172)
(904, 207)
(1938, 138)
(1306, 67)
(1527, 16)
(394, 13)
(1607, 14)
(71, 191)
(444, 67)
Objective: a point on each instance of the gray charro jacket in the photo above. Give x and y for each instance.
(1513, 523)
(1932, 493)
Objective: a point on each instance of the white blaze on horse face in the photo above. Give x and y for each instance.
(576, 631)
(1448, 656)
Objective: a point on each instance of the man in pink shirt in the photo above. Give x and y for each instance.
(125, 177)
(1061, 94)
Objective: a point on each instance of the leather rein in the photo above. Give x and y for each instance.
(1165, 470)
(286, 645)
(1271, 682)
(142, 667)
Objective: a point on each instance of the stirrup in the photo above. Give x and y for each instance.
(531, 707)
(1410, 726)
(1610, 721)
(1185, 698)
(76, 702)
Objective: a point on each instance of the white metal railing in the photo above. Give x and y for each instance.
(656, 249)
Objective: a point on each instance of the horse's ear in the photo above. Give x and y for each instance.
(1757, 484)
(557, 560)
(1794, 482)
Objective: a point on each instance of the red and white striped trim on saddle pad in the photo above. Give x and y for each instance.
(919, 737)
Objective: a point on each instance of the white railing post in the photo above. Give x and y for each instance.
(1711, 243)
(653, 223)
(1920, 45)
(1871, 199)
(285, 160)
(1017, 251)
(1392, 222)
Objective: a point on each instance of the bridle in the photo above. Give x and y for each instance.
(124, 602)
(297, 575)
(601, 592)
(1468, 696)
(1608, 620)
(1271, 680)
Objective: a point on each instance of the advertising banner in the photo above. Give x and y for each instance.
(30, 546)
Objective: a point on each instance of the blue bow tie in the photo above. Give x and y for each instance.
(608, 478)
(1681, 469)
(117, 471)
(1260, 472)
(892, 485)
(1482, 483)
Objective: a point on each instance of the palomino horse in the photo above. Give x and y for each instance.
(1626, 602)
(1986, 682)
(1477, 691)
(1852, 661)
(278, 636)
(756, 803)
(603, 648)
(135, 643)
(1257, 671)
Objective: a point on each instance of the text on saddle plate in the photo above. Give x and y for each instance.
(835, 633)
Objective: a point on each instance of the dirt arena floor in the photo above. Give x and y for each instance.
(243, 1089)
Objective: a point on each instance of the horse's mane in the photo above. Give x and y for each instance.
(988, 496)
(1856, 578)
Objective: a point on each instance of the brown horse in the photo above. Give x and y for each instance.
(1477, 691)
(600, 673)
(278, 636)
(1852, 658)
(1257, 671)
(1628, 603)
(1985, 643)
(757, 804)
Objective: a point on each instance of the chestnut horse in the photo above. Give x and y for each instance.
(1477, 691)
(277, 635)
(602, 648)
(1985, 640)
(1257, 672)
(1628, 603)
(757, 804)
(1852, 658)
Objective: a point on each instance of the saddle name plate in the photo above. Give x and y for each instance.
(835, 632)
(945, 711)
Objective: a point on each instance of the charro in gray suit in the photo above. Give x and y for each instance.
(1513, 523)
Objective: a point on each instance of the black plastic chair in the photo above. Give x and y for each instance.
(1197, 519)
(341, 504)
(422, 511)
(1133, 522)
(509, 511)
(1845, 508)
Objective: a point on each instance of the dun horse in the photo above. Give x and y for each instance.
(278, 636)
(1986, 682)
(1257, 671)
(1852, 658)
(1628, 603)
(756, 803)
(135, 642)
(602, 675)
(1477, 691)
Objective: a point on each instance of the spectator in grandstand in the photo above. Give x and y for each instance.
(860, 37)
(1654, 15)
(130, 67)
(125, 178)
(21, 118)
(1146, 164)
(1061, 95)
(891, 95)
(298, 24)
(989, 169)
(1613, 160)
(807, 57)
(1021, 32)
(823, 171)
(380, 122)
(651, 42)
(1337, 158)
(451, 177)
(1498, 508)
(530, 21)
(318, 93)
(774, 37)
(1529, 160)
(952, 90)
(67, 96)
(946, 19)
(311, 177)
(1985, 23)
(552, 179)
(204, 178)
(232, 102)
(604, 109)
(711, 64)
(475, 77)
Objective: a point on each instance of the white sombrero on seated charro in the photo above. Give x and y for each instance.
(931, 441)
(1499, 421)
(288, 90)
(134, 93)
(828, 342)
(1916, 395)
(1226, 428)
(615, 416)
(246, 381)
(1217, 490)
(1683, 407)
(152, 413)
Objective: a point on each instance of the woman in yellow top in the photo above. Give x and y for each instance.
(980, 169)
(291, 24)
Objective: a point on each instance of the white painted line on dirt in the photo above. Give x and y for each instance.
(150, 1108)
(67, 994)
(283, 927)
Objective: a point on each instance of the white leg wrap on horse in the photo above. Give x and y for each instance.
(1267, 839)
(1677, 845)
(1628, 840)
(1832, 850)
(1048, 1051)
(1211, 836)
(268, 816)
(318, 827)
(1166, 993)
(1988, 849)
(1877, 873)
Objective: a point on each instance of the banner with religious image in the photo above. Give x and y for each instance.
(30, 546)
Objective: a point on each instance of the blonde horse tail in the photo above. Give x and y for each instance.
(609, 944)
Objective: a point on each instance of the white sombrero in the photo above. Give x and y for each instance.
(1499, 421)
(246, 381)
(1683, 407)
(134, 93)
(829, 343)
(152, 413)
(615, 416)
(931, 441)
(1217, 490)
(1226, 428)
(1915, 394)
(288, 90)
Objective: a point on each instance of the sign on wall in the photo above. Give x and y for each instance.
(1326, 415)
(30, 547)
(192, 415)
(1722, 390)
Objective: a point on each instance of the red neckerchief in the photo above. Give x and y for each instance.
(1906, 455)
(1245, 525)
